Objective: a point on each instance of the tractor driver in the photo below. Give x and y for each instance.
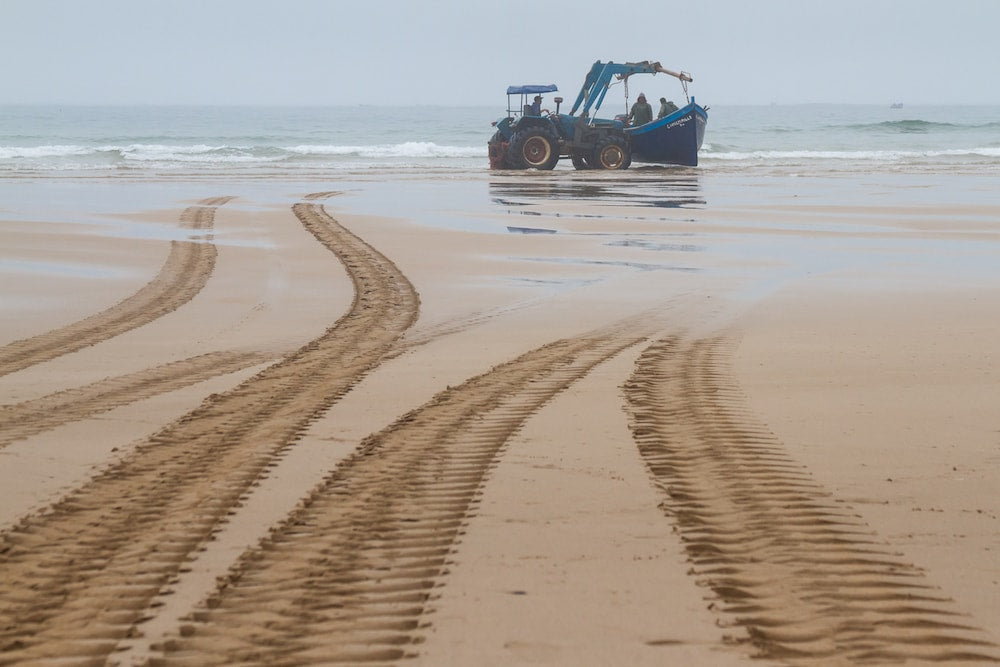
(536, 106)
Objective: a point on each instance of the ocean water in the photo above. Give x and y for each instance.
(308, 142)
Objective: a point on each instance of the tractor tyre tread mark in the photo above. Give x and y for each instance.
(805, 577)
(184, 273)
(78, 576)
(348, 576)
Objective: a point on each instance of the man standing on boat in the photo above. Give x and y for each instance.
(666, 108)
(641, 112)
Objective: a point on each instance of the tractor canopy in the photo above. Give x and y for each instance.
(532, 90)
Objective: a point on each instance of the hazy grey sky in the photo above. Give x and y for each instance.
(293, 52)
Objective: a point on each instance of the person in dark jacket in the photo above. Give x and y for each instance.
(666, 108)
(641, 112)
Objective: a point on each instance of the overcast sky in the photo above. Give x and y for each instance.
(303, 52)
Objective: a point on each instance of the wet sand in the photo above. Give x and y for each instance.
(560, 418)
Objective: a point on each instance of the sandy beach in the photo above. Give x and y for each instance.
(570, 418)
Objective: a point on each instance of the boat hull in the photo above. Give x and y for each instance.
(673, 139)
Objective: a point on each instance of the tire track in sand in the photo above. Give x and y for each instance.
(77, 578)
(29, 418)
(808, 580)
(347, 577)
(23, 420)
(184, 273)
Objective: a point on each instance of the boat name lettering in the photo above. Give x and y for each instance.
(680, 121)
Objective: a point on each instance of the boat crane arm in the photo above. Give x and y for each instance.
(683, 76)
(595, 86)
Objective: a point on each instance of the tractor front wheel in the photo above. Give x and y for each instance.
(611, 154)
(534, 148)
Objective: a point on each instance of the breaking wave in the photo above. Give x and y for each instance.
(914, 126)
(403, 150)
(861, 156)
(249, 140)
(60, 156)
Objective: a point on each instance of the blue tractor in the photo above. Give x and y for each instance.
(531, 138)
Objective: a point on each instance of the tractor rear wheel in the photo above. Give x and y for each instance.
(611, 153)
(534, 148)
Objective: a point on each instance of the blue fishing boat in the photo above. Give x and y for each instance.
(532, 138)
(673, 139)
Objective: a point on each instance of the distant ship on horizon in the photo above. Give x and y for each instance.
(896, 105)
